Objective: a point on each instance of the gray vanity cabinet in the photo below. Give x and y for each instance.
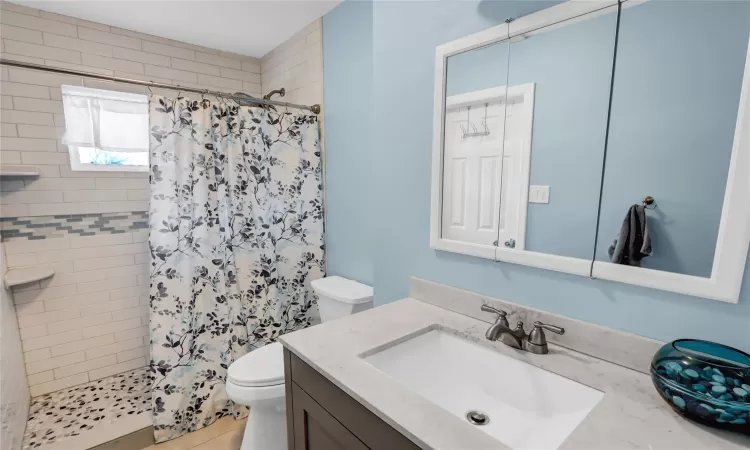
(320, 416)
(316, 429)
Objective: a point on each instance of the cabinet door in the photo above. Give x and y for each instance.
(315, 429)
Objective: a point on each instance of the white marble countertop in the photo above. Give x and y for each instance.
(631, 415)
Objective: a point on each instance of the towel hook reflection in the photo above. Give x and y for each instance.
(649, 201)
(468, 119)
(470, 126)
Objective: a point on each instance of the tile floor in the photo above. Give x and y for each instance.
(224, 434)
(100, 411)
(96, 408)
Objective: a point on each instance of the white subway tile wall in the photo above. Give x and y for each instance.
(90, 320)
(296, 65)
(32, 115)
(14, 393)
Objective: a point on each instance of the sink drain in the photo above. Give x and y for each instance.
(477, 418)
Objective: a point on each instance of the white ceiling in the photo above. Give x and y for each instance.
(248, 27)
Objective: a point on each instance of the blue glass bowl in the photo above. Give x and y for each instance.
(705, 382)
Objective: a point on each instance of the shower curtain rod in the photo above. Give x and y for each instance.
(315, 109)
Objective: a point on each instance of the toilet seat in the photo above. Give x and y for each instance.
(259, 368)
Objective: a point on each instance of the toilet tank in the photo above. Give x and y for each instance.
(339, 297)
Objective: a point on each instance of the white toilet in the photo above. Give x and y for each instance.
(257, 379)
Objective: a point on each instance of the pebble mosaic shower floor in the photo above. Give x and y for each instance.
(62, 415)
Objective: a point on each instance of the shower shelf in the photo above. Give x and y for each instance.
(19, 172)
(15, 277)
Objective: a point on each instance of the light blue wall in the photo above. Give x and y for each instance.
(397, 206)
(674, 109)
(349, 149)
(481, 68)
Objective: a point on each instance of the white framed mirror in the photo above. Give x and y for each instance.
(679, 128)
(539, 121)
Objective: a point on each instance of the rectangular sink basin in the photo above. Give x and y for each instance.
(528, 408)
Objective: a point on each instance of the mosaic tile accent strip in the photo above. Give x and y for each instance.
(71, 412)
(44, 227)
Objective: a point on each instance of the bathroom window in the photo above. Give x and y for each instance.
(106, 130)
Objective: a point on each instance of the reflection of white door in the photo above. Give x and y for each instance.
(485, 186)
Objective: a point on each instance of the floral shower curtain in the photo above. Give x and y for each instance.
(236, 236)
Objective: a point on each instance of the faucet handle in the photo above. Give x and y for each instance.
(536, 341)
(499, 312)
(552, 328)
(501, 315)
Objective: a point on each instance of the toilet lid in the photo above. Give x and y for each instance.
(261, 367)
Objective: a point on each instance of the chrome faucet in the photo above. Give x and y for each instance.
(534, 342)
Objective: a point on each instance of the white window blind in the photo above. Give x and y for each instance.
(106, 120)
